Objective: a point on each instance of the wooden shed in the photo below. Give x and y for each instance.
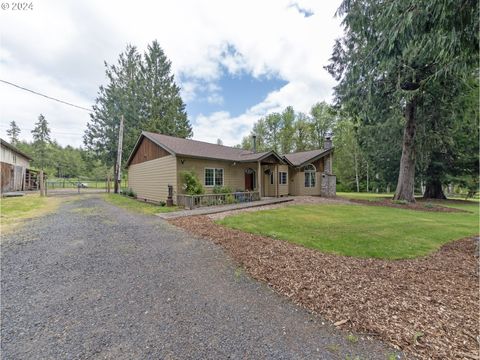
(15, 174)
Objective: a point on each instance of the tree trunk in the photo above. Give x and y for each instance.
(356, 170)
(368, 190)
(434, 190)
(406, 175)
(434, 174)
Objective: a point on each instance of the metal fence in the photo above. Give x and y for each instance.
(82, 183)
(193, 201)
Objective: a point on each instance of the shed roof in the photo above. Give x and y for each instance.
(14, 149)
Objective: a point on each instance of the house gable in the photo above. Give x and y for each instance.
(147, 150)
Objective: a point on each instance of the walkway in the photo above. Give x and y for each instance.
(221, 208)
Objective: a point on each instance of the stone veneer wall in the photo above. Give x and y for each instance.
(329, 185)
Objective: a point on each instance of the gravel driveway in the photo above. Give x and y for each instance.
(95, 281)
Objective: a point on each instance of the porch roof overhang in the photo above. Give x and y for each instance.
(264, 157)
(307, 161)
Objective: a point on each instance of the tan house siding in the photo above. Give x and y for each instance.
(297, 182)
(269, 188)
(150, 179)
(233, 173)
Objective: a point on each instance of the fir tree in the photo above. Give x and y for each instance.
(143, 90)
(41, 141)
(13, 132)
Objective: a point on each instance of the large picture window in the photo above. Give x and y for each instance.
(213, 177)
(310, 176)
(282, 178)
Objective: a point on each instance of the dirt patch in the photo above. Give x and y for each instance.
(426, 306)
(418, 206)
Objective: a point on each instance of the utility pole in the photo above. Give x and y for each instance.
(118, 166)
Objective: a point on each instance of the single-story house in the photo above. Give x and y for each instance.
(157, 161)
(15, 174)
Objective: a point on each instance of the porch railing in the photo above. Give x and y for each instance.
(194, 201)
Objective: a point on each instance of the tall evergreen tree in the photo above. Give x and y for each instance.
(13, 132)
(393, 53)
(41, 141)
(163, 106)
(143, 90)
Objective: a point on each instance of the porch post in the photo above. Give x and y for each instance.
(277, 182)
(259, 179)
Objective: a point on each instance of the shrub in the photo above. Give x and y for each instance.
(221, 190)
(191, 183)
(162, 203)
(400, 202)
(230, 199)
(131, 193)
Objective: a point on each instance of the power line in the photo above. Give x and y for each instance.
(45, 96)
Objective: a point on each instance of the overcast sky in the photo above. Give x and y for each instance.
(235, 61)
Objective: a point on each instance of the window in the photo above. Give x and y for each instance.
(310, 175)
(282, 178)
(271, 178)
(213, 177)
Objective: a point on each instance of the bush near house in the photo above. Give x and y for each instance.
(191, 184)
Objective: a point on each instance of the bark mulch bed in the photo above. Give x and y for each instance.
(427, 306)
(418, 206)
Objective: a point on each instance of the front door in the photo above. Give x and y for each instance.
(249, 180)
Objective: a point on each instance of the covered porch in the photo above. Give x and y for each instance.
(268, 175)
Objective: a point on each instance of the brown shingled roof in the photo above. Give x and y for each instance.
(300, 158)
(195, 148)
(201, 149)
(188, 147)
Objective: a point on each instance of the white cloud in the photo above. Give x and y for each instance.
(59, 48)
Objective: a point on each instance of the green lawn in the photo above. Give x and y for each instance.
(136, 205)
(15, 210)
(361, 230)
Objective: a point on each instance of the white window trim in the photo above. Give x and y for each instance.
(280, 178)
(311, 172)
(214, 174)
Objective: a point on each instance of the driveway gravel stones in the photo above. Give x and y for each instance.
(95, 281)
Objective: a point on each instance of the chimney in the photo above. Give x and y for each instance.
(254, 138)
(328, 143)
